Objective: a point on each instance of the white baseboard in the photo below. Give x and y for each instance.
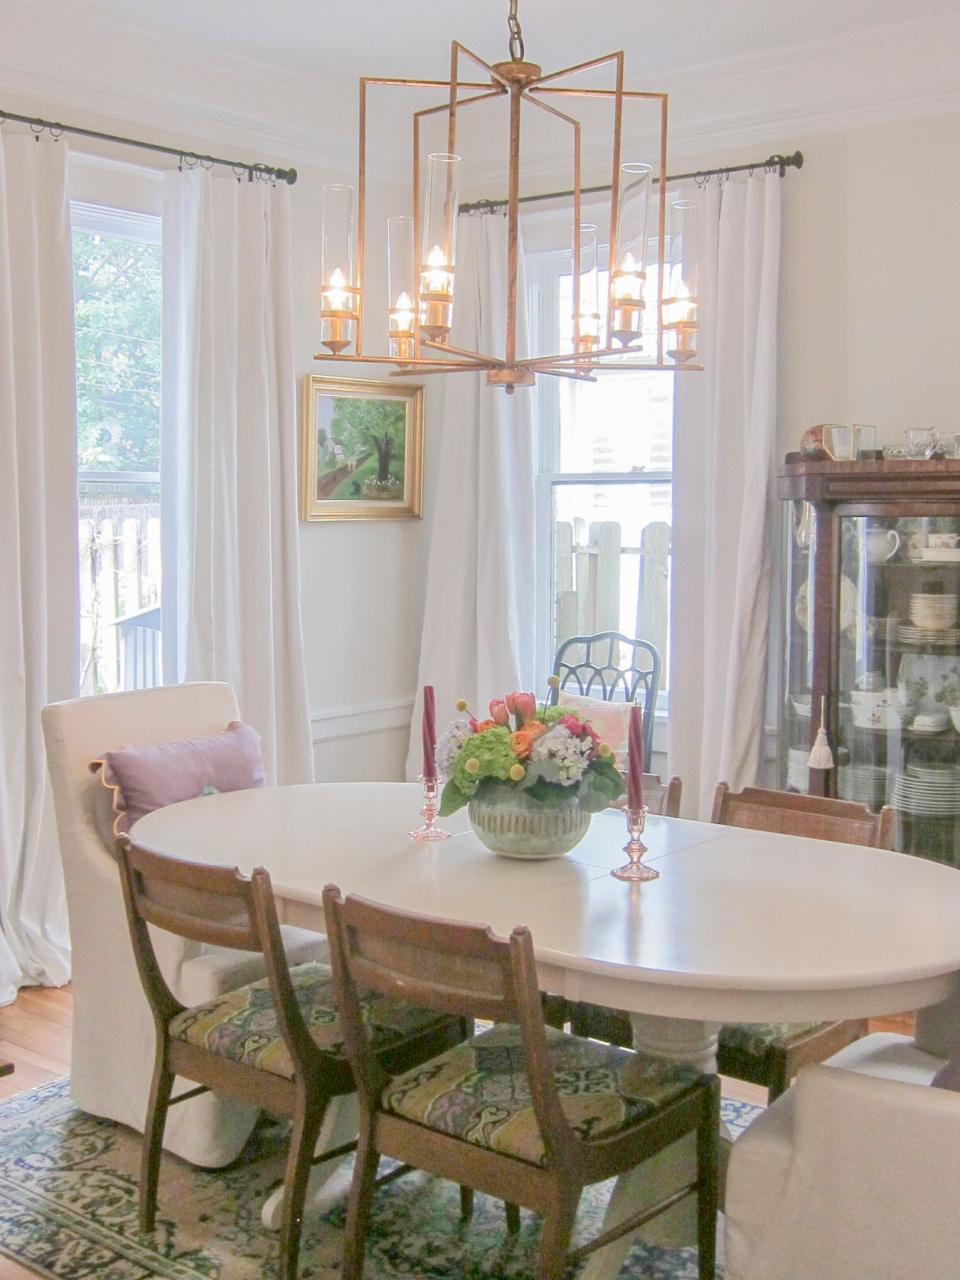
(357, 722)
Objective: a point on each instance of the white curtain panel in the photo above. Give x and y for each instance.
(231, 561)
(38, 533)
(723, 533)
(479, 628)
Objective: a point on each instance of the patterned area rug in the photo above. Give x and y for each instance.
(68, 1210)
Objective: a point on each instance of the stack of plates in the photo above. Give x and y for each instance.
(927, 635)
(865, 783)
(933, 611)
(931, 790)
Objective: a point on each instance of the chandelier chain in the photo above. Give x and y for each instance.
(516, 35)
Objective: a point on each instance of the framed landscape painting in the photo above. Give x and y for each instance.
(362, 449)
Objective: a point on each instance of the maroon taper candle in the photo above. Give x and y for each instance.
(635, 760)
(429, 733)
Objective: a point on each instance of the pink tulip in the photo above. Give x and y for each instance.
(525, 706)
(499, 712)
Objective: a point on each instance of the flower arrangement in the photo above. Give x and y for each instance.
(550, 754)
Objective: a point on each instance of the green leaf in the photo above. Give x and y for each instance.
(451, 799)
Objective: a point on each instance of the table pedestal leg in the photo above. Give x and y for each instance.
(329, 1182)
(677, 1040)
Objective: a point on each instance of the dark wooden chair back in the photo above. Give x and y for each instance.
(214, 905)
(453, 968)
(614, 667)
(818, 817)
(662, 797)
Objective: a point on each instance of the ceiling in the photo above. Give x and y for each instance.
(379, 37)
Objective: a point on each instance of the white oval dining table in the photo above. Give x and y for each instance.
(741, 926)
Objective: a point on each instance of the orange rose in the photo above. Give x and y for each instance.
(521, 742)
(484, 725)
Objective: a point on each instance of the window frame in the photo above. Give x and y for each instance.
(544, 268)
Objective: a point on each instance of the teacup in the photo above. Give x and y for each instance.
(944, 541)
(883, 545)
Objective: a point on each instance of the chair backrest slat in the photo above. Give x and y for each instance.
(455, 968)
(818, 817)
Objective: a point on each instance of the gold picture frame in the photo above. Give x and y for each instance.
(361, 455)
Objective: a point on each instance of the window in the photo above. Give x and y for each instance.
(117, 287)
(605, 495)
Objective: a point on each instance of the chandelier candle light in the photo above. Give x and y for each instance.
(608, 334)
(431, 783)
(636, 810)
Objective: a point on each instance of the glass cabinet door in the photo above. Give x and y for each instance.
(797, 689)
(898, 677)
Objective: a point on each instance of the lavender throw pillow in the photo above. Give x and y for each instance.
(948, 1077)
(146, 778)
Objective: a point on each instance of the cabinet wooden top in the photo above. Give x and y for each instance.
(883, 480)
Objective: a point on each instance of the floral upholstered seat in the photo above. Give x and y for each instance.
(479, 1091)
(757, 1037)
(242, 1024)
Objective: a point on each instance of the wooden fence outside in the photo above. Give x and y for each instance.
(590, 576)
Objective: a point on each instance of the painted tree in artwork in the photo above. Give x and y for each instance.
(365, 426)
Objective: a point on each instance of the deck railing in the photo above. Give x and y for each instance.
(119, 581)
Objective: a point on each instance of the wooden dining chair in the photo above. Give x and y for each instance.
(771, 1053)
(522, 1112)
(594, 1020)
(276, 1043)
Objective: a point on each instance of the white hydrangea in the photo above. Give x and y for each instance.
(560, 757)
(450, 743)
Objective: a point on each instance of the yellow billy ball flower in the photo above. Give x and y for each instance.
(554, 682)
(461, 704)
(517, 772)
(472, 765)
(604, 751)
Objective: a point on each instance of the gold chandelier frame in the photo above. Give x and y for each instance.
(521, 82)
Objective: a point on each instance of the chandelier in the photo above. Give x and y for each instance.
(646, 315)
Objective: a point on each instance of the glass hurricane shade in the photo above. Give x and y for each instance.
(588, 306)
(438, 249)
(401, 287)
(628, 271)
(681, 294)
(339, 295)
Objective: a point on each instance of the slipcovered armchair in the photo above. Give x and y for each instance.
(113, 1032)
(850, 1173)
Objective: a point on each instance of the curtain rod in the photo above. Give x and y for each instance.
(775, 163)
(188, 159)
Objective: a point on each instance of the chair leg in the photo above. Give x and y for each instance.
(303, 1140)
(555, 1236)
(361, 1202)
(708, 1186)
(513, 1218)
(466, 1203)
(152, 1148)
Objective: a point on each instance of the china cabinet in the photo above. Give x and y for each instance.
(872, 637)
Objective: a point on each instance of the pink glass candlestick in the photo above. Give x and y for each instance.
(635, 849)
(429, 829)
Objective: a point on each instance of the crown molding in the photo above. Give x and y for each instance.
(774, 98)
(175, 124)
